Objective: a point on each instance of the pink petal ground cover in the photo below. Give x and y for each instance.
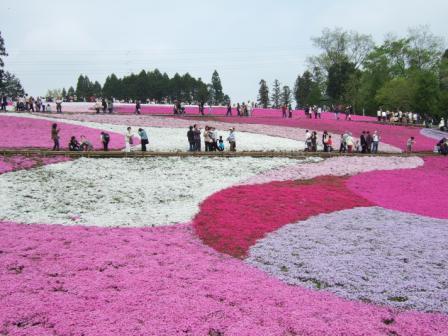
(368, 254)
(189, 109)
(231, 221)
(336, 166)
(421, 191)
(18, 162)
(90, 281)
(390, 134)
(18, 132)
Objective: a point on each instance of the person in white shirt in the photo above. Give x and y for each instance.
(232, 140)
(128, 138)
(379, 114)
(319, 112)
(384, 116)
(375, 142)
(308, 141)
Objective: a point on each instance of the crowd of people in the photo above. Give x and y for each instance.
(368, 143)
(74, 145)
(212, 141)
(398, 117)
(30, 104)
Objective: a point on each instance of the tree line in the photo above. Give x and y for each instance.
(408, 73)
(149, 85)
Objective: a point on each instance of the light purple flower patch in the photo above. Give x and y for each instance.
(368, 254)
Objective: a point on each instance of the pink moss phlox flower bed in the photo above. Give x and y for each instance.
(18, 162)
(390, 134)
(59, 280)
(189, 109)
(421, 191)
(231, 221)
(336, 166)
(18, 132)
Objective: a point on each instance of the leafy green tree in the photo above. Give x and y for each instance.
(263, 94)
(443, 80)
(276, 94)
(427, 92)
(398, 93)
(339, 46)
(55, 93)
(425, 49)
(339, 76)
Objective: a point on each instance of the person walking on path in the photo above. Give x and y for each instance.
(375, 142)
(229, 110)
(363, 142)
(197, 138)
(110, 106)
(349, 142)
(369, 141)
(232, 139)
(59, 105)
(128, 139)
(284, 111)
(190, 137)
(138, 107)
(105, 139)
(144, 140)
(97, 106)
(410, 144)
(104, 104)
(55, 136)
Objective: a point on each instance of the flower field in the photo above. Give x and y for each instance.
(219, 246)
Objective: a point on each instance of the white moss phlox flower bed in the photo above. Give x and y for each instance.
(122, 192)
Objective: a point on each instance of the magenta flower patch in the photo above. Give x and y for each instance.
(421, 191)
(18, 132)
(18, 162)
(231, 221)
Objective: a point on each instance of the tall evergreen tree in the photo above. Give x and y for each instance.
(286, 95)
(2, 53)
(71, 91)
(217, 88)
(276, 94)
(10, 85)
(303, 88)
(263, 94)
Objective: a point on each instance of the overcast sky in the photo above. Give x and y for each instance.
(51, 42)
